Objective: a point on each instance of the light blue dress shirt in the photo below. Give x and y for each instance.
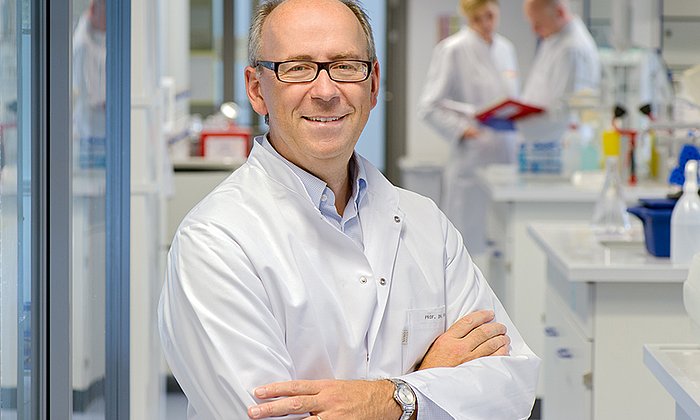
(324, 199)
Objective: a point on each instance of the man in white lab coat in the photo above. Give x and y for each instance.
(306, 284)
(470, 70)
(567, 57)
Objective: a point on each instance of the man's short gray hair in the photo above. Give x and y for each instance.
(266, 7)
(553, 3)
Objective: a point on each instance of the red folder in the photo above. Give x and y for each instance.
(508, 109)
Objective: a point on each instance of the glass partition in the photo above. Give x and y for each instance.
(17, 353)
(53, 218)
(88, 207)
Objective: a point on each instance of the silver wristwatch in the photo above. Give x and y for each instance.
(405, 397)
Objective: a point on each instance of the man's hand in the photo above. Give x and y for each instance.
(471, 337)
(470, 133)
(330, 399)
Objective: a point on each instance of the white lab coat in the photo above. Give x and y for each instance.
(565, 63)
(89, 80)
(260, 287)
(467, 74)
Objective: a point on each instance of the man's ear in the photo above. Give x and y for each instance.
(374, 77)
(560, 11)
(254, 90)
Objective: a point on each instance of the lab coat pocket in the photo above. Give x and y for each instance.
(423, 326)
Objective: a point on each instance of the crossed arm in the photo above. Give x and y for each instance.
(216, 361)
(471, 337)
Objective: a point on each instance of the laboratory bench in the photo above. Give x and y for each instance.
(202, 164)
(516, 267)
(677, 368)
(603, 303)
(194, 178)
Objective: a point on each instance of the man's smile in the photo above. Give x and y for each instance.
(324, 119)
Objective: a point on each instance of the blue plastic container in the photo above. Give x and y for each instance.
(657, 228)
(658, 203)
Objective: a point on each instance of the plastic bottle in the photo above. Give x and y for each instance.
(611, 147)
(685, 219)
(571, 151)
(590, 160)
(611, 144)
(654, 157)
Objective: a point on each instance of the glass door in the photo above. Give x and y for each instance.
(89, 164)
(99, 209)
(64, 320)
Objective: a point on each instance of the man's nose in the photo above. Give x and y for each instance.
(324, 87)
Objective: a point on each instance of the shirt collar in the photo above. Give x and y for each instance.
(478, 40)
(314, 186)
(359, 187)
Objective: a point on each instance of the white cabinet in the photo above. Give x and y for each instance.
(680, 41)
(688, 8)
(193, 180)
(517, 267)
(603, 303)
(88, 284)
(681, 19)
(570, 364)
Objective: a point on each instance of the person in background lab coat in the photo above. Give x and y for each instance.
(567, 58)
(89, 86)
(306, 277)
(470, 70)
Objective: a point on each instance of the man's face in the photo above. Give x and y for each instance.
(545, 19)
(315, 122)
(484, 20)
(98, 15)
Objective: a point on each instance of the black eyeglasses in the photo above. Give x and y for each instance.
(302, 71)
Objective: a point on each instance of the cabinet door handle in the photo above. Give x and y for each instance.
(551, 332)
(564, 353)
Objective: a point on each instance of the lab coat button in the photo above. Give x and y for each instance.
(363, 279)
(397, 219)
(382, 281)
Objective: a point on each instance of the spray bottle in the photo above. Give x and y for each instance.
(685, 219)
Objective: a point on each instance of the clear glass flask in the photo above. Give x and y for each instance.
(610, 218)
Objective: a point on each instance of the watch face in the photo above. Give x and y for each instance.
(405, 395)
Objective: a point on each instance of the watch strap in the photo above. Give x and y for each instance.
(408, 409)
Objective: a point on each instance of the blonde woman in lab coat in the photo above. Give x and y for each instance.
(469, 70)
